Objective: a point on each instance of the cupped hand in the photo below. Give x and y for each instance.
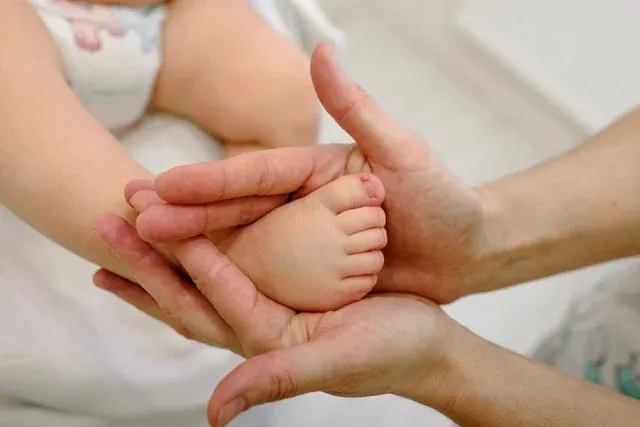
(435, 223)
(383, 344)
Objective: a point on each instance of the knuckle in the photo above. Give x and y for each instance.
(175, 322)
(267, 181)
(222, 180)
(246, 211)
(282, 385)
(184, 331)
(167, 310)
(146, 260)
(359, 99)
(183, 302)
(219, 270)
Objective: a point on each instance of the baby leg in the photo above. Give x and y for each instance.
(227, 70)
(320, 252)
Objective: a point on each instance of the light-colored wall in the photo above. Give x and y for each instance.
(432, 24)
(580, 54)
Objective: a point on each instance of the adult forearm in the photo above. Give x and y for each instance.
(578, 210)
(499, 388)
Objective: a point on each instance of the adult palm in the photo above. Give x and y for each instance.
(378, 345)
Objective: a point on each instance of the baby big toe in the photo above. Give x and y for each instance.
(350, 192)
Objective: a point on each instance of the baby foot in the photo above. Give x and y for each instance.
(320, 252)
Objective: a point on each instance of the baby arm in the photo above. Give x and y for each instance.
(59, 168)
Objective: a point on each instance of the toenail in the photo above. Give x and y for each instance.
(371, 191)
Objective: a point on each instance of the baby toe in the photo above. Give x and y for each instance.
(350, 192)
(359, 286)
(356, 220)
(373, 239)
(363, 264)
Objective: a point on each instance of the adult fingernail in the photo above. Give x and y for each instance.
(137, 185)
(143, 200)
(135, 202)
(105, 281)
(231, 410)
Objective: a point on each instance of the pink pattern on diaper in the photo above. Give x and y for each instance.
(87, 33)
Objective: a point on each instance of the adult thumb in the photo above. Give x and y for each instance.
(381, 138)
(270, 377)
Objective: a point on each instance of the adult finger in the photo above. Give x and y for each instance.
(260, 323)
(135, 186)
(382, 139)
(271, 377)
(164, 222)
(141, 201)
(144, 199)
(177, 299)
(131, 293)
(261, 173)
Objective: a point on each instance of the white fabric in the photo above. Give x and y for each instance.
(302, 21)
(111, 53)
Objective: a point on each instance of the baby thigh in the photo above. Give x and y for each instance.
(226, 69)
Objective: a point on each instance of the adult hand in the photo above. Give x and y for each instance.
(435, 224)
(383, 344)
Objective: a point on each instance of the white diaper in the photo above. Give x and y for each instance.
(112, 55)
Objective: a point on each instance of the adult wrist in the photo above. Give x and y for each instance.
(489, 267)
(524, 236)
(440, 380)
(474, 381)
(501, 388)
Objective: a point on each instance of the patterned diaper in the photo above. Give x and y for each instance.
(112, 55)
